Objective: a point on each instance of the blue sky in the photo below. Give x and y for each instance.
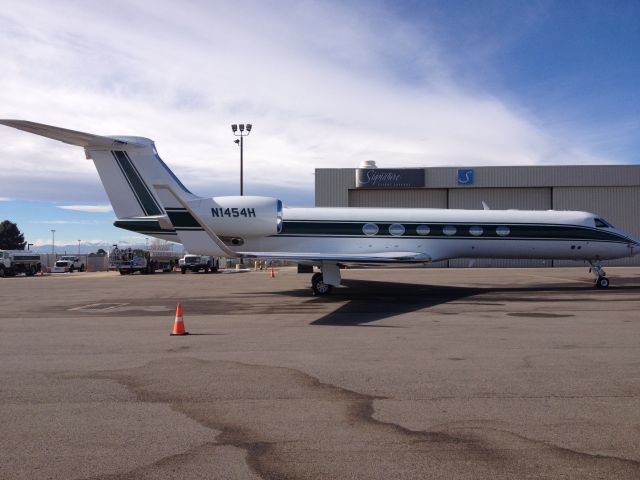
(326, 84)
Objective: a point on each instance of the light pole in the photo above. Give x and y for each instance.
(29, 245)
(79, 247)
(53, 243)
(239, 130)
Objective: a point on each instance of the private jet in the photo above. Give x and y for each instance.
(149, 199)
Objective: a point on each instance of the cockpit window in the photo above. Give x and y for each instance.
(601, 223)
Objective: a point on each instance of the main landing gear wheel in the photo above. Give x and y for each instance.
(602, 282)
(318, 285)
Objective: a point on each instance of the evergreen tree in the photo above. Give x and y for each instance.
(11, 238)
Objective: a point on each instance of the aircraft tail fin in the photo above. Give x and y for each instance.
(127, 166)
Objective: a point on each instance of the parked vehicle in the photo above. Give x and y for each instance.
(13, 262)
(132, 260)
(195, 263)
(74, 262)
(62, 266)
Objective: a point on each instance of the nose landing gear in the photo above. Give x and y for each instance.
(601, 280)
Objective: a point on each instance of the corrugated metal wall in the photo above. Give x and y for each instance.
(538, 176)
(501, 198)
(415, 198)
(332, 186)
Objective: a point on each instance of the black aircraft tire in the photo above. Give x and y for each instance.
(2, 274)
(602, 282)
(318, 285)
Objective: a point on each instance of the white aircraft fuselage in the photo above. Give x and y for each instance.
(439, 234)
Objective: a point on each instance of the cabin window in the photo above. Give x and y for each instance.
(476, 230)
(449, 230)
(370, 229)
(601, 223)
(423, 230)
(396, 229)
(503, 231)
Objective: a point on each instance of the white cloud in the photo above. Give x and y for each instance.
(88, 208)
(69, 222)
(325, 85)
(4, 199)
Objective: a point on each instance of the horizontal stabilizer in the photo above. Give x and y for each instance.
(71, 137)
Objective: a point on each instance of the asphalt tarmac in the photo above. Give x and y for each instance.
(409, 373)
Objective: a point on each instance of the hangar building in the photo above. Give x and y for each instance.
(611, 191)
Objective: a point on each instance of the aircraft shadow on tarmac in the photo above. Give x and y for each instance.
(370, 301)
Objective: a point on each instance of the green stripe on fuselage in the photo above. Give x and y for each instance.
(517, 231)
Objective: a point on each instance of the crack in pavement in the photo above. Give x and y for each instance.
(290, 425)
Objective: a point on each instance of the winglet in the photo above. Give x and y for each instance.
(219, 243)
(485, 206)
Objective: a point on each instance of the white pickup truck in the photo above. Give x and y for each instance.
(13, 262)
(195, 263)
(73, 263)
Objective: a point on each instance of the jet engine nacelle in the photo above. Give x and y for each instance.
(245, 216)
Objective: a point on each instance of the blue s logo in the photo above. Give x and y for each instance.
(465, 176)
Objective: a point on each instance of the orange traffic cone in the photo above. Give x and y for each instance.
(273, 273)
(178, 325)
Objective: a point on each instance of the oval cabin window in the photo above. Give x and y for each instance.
(370, 229)
(476, 230)
(449, 230)
(503, 231)
(396, 229)
(423, 230)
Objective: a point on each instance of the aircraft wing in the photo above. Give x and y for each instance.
(382, 257)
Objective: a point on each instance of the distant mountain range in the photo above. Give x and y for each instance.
(93, 247)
